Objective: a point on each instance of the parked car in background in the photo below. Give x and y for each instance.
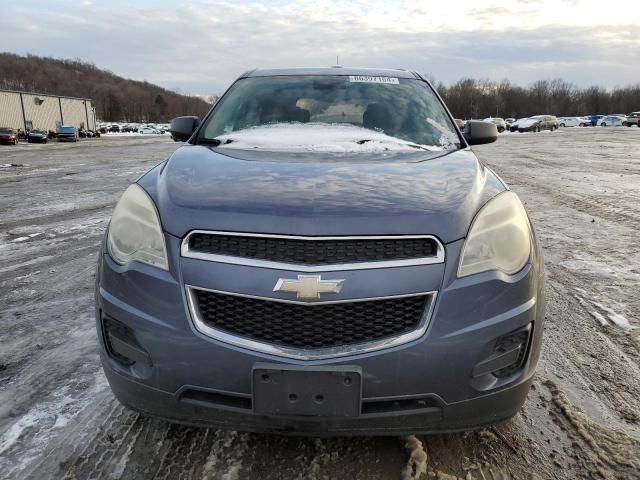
(594, 119)
(148, 130)
(37, 136)
(514, 124)
(229, 293)
(459, 123)
(498, 122)
(574, 121)
(67, 133)
(612, 121)
(114, 128)
(632, 119)
(538, 123)
(509, 121)
(8, 135)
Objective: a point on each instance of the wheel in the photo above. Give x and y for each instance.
(582, 125)
(500, 129)
(562, 125)
(603, 124)
(627, 124)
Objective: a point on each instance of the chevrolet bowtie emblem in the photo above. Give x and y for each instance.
(308, 287)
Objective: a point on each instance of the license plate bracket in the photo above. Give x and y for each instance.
(331, 391)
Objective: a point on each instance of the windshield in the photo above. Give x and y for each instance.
(6, 130)
(331, 113)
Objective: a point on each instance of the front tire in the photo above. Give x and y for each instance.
(603, 124)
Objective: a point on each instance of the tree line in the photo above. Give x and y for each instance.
(115, 98)
(119, 99)
(471, 98)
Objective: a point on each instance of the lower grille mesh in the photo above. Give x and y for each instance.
(313, 326)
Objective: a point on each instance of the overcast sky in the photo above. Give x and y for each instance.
(200, 47)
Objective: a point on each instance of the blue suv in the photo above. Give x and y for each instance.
(325, 255)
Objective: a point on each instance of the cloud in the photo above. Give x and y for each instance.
(201, 47)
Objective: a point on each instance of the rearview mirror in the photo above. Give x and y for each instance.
(182, 128)
(477, 132)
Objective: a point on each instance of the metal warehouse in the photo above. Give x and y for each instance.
(25, 110)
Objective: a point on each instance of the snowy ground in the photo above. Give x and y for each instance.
(58, 418)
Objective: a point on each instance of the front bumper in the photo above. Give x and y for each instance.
(194, 379)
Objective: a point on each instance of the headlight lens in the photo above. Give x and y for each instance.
(499, 238)
(135, 232)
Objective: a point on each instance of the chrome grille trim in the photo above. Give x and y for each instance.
(185, 251)
(315, 354)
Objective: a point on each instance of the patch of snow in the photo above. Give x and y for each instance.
(318, 137)
(31, 235)
(598, 316)
(615, 318)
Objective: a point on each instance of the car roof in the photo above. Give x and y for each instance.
(374, 72)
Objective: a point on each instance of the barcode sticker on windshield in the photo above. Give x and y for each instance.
(369, 79)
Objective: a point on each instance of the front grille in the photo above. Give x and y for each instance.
(314, 252)
(310, 326)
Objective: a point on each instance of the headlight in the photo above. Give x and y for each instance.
(499, 238)
(135, 232)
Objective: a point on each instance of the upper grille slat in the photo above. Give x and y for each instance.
(311, 251)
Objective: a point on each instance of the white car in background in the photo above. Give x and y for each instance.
(498, 122)
(148, 130)
(574, 121)
(612, 121)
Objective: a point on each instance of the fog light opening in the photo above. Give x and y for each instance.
(121, 344)
(509, 354)
(517, 340)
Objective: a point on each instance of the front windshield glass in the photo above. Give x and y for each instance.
(332, 114)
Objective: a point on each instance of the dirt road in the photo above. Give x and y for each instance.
(58, 418)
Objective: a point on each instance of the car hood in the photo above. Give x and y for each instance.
(320, 194)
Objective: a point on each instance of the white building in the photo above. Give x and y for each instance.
(23, 110)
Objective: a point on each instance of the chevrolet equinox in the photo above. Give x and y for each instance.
(325, 255)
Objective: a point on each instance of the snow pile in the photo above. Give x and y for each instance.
(614, 317)
(318, 137)
(418, 459)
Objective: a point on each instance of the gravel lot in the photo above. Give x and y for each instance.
(58, 418)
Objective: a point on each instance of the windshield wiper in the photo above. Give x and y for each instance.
(214, 142)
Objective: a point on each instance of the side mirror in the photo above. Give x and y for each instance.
(183, 127)
(477, 132)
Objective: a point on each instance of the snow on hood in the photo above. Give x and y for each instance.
(318, 137)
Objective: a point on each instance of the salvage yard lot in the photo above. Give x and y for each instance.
(58, 418)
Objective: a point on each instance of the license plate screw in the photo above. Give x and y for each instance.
(347, 381)
(293, 398)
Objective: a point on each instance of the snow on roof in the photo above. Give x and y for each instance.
(318, 137)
